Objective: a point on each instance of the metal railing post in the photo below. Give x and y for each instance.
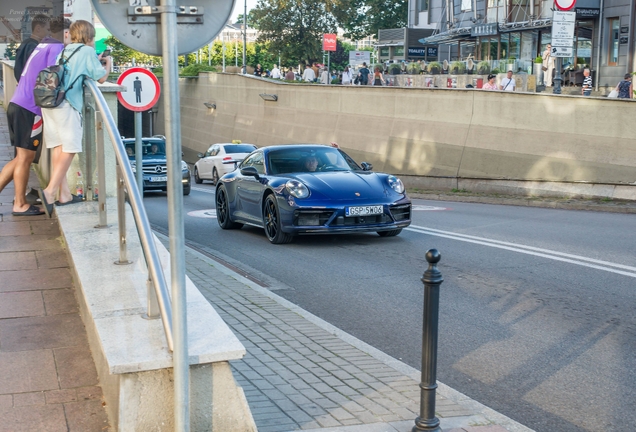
(101, 169)
(152, 311)
(432, 280)
(121, 219)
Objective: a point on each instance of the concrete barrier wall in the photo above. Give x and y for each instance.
(442, 135)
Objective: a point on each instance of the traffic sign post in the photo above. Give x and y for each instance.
(563, 24)
(142, 93)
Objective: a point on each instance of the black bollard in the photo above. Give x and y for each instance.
(432, 279)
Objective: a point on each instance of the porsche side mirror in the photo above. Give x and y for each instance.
(200, 155)
(366, 166)
(250, 171)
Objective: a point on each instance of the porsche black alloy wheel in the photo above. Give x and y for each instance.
(391, 233)
(197, 179)
(272, 223)
(223, 210)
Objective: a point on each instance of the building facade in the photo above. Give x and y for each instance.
(519, 30)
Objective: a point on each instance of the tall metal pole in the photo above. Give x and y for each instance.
(558, 78)
(432, 280)
(328, 67)
(236, 52)
(139, 172)
(223, 49)
(244, 37)
(181, 371)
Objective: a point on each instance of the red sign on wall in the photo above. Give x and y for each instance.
(329, 42)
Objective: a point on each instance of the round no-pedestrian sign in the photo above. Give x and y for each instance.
(142, 89)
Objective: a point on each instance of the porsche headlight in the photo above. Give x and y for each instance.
(297, 189)
(184, 166)
(396, 184)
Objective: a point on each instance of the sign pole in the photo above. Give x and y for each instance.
(328, 67)
(181, 367)
(139, 172)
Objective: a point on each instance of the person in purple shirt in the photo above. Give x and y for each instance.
(25, 118)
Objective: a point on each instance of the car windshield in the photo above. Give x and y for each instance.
(150, 148)
(239, 148)
(311, 159)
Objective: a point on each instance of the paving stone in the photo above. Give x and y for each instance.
(6, 401)
(89, 393)
(27, 371)
(75, 367)
(88, 415)
(21, 304)
(40, 418)
(52, 258)
(61, 396)
(21, 228)
(30, 242)
(35, 279)
(21, 334)
(60, 301)
(327, 420)
(17, 261)
(28, 399)
(48, 227)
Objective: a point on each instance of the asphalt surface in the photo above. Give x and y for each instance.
(537, 313)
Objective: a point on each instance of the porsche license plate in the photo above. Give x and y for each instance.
(364, 210)
(159, 178)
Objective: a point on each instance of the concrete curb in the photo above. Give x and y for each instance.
(626, 207)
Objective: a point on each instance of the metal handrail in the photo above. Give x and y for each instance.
(149, 248)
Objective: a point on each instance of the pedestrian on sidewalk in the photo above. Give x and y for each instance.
(25, 118)
(63, 129)
(347, 77)
(491, 84)
(39, 30)
(586, 90)
(625, 88)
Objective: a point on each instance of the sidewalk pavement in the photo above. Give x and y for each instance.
(300, 373)
(48, 380)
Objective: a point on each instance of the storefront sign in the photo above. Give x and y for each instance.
(431, 51)
(384, 52)
(588, 12)
(417, 52)
(399, 51)
(624, 29)
(624, 40)
(484, 30)
(329, 42)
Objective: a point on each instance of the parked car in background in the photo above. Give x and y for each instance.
(210, 166)
(154, 164)
(310, 189)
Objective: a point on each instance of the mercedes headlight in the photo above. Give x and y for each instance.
(297, 189)
(396, 184)
(184, 166)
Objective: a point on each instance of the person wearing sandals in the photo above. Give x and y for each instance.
(25, 119)
(63, 124)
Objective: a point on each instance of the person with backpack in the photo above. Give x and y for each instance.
(625, 88)
(63, 124)
(25, 119)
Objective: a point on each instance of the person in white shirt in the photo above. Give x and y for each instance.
(324, 77)
(346, 76)
(508, 83)
(275, 72)
(309, 75)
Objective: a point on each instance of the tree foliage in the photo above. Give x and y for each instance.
(122, 54)
(362, 18)
(294, 28)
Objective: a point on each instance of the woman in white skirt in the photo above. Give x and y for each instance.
(63, 124)
(347, 76)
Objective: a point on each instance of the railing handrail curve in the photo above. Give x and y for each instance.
(139, 213)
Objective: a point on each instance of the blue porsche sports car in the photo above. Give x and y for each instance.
(310, 189)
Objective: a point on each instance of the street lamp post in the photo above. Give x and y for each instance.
(244, 37)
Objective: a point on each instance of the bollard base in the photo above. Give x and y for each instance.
(431, 425)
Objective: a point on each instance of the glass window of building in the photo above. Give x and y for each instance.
(614, 29)
(422, 5)
(584, 32)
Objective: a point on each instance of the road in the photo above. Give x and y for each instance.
(537, 313)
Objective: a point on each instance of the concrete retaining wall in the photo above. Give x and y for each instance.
(429, 134)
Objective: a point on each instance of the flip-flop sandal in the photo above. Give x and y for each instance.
(31, 211)
(48, 208)
(73, 200)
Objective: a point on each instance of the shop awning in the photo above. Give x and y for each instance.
(448, 36)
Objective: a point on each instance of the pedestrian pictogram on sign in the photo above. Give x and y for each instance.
(142, 89)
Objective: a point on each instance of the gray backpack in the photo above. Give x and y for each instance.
(49, 89)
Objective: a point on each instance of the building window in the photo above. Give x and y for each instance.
(422, 5)
(614, 29)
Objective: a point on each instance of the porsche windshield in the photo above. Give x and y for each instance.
(310, 159)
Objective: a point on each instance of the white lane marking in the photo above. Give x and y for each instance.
(211, 214)
(427, 208)
(209, 191)
(529, 250)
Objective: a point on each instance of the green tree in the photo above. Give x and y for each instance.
(250, 19)
(294, 28)
(340, 57)
(121, 53)
(11, 49)
(362, 18)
